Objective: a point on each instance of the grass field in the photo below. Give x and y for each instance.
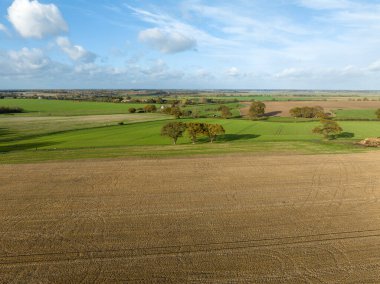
(125, 140)
(209, 110)
(68, 108)
(66, 130)
(355, 114)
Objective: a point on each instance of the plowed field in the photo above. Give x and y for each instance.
(283, 108)
(270, 219)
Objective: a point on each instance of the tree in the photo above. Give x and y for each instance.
(378, 113)
(176, 111)
(132, 110)
(150, 108)
(213, 130)
(194, 129)
(225, 111)
(174, 130)
(256, 109)
(328, 129)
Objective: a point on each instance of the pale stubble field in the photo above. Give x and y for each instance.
(262, 219)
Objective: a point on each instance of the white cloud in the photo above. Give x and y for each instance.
(374, 67)
(75, 52)
(233, 72)
(3, 28)
(325, 4)
(178, 28)
(35, 20)
(23, 62)
(167, 41)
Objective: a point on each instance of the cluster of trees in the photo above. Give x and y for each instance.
(308, 112)
(4, 110)
(174, 130)
(176, 111)
(147, 108)
(257, 109)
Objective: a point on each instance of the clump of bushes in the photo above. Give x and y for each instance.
(174, 130)
(307, 112)
(4, 110)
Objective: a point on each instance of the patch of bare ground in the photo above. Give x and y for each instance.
(270, 219)
(282, 109)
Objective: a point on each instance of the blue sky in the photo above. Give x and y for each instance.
(242, 44)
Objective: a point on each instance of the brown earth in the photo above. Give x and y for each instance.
(282, 108)
(271, 219)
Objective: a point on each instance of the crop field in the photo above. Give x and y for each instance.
(257, 219)
(283, 108)
(90, 193)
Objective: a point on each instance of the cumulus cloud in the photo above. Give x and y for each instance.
(35, 20)
(75, 52)
(23, 62)
(167, 41)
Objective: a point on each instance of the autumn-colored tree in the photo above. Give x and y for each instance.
(174, 130)
(194, 129)
(213, 130)
(150, 108)
(132, 110)
(328, 129)
(225, 111)
(173, 110)
(378, 113)
(308, 112)
(256, 109)
(176, 112)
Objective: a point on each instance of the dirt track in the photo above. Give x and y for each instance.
(283, 108)
(294, 219)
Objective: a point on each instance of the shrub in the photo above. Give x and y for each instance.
(4, 110)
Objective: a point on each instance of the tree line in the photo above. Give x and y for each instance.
(175, 130)
(308, 112)
(5, 110)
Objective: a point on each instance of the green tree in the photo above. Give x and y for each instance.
(213, 130)
(328, 129)
(256, 109)
(194, 129)
(308, 112)
(225, 111)
(378, 113)
(174, 130)
(132, 110)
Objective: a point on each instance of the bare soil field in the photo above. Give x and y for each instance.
(282, 108)
(270, 219)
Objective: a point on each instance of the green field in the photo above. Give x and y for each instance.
(68, 108)
(66, 130)
(355, 114)
(209, 110)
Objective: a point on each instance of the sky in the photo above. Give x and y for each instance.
(190, 44)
